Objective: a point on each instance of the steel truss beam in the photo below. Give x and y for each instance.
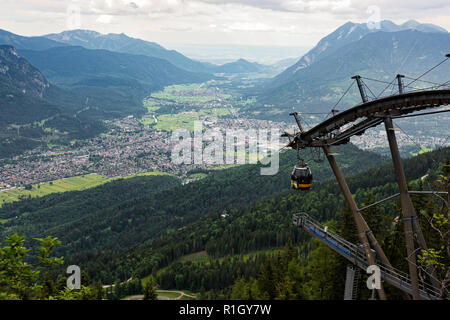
(373, 113)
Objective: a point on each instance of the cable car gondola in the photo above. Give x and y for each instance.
(301, 177)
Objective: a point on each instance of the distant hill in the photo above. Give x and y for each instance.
(125, 44)
(19, 75)
(122, 43)
(282, 65)
(50, 91)
(241, 66)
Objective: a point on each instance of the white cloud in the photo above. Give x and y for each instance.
(105, 18)
(270, 22)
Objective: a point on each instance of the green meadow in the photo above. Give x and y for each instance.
(69, 184)
(185, 120)
(191, 93)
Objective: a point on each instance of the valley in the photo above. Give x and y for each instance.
(90, 128)
(139, 144)
(134, 144)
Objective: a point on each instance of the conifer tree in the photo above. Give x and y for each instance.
(266, 281)
(48, 287)
(150, 290)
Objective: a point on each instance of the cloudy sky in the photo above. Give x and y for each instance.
(246, 22)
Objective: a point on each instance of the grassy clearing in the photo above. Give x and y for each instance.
(170, 294)
(228, 166)
(185, 120)
(192, 93)
(151, 106)
(218, 112)
(423, 149)
(194, 256)
(198, 176)
(172, 122)
(69, 184)
(146, 121)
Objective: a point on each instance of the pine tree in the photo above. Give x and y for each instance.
(252, 290)
(98, 290)
(48, 287)
(321, 269)
(285, 289)
(374, 218)
(266, 281)
(348, 226)
(239, 290)
(150, 290)
(61, 283)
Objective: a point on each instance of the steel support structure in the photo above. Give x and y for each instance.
(363, 229)
(361, 88)
(400, 83)
(409, 214)
(370, 114)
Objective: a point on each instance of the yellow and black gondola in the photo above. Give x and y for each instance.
(301, 177)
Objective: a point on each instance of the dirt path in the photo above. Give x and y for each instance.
(181, 293)
(162, 297)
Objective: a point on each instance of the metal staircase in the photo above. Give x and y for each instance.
(351, 283)
(355, 254)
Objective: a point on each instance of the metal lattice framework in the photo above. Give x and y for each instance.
(355, 121)
(368, 115)
(355, 254)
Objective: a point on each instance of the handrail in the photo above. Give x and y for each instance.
(356, 255)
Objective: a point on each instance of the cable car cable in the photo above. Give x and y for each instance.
(416, 79)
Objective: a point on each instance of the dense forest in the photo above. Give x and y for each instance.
(124, 214)
(267, 224)
(216, 236)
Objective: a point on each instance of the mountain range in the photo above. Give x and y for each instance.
(107, 76)
(322, 75)
(351, 32)
(125, 44)
(121, 43)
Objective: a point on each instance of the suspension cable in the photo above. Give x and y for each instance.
(425, 81)
(369, 89)
(409, 137)
(376, 80)
(390, 84)
(345, 93)
(417, 79)
(445, 84)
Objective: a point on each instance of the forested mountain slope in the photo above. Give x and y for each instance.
(121, 225)
(33, 110)
(268, 224)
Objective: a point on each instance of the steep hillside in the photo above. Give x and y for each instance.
(70, 65)
(144, 218)
(32, 110)
(267, 224)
